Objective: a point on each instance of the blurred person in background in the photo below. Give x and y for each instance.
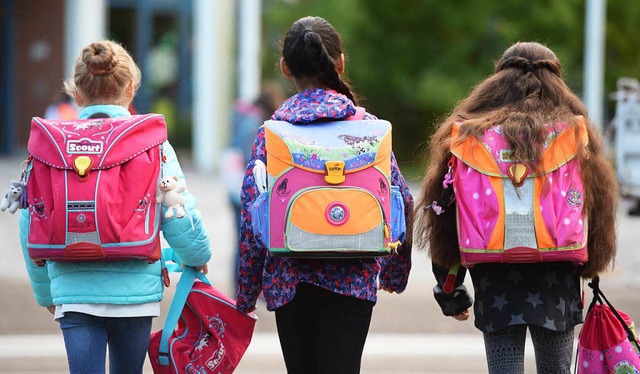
(61, 108)
(247, 117)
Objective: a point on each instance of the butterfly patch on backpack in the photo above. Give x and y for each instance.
(359, 143)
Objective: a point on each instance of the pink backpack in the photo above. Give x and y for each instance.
(92, 188)
(608, 343)
(506, 213)
(203, 331)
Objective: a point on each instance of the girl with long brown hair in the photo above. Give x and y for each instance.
(526, 103)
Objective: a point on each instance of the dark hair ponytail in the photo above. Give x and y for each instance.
(310, 50)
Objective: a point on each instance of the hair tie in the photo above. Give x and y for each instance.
(98, 71)
(528, 67)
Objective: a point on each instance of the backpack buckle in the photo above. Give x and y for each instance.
(82, 164)
(518, 174)
(335, 172)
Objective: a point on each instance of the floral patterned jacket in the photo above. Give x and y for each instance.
(278, 277)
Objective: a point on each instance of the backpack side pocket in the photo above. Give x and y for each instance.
(260, 219)
(398, 220)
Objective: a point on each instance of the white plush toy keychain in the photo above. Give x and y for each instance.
(171, 196)
(15, 198)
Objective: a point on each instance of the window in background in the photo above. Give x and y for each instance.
(158, 34)
(7, 137)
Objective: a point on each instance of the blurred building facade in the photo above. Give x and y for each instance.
(31, 64)
(39, 39)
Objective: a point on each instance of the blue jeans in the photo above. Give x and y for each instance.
(86, 338)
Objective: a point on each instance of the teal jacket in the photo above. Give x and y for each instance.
(119, 282)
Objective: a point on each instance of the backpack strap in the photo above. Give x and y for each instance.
(188, 277)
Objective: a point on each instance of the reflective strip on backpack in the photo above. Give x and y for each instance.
(519, 223)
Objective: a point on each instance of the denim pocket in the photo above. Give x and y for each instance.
(260, 218)
(398, 220)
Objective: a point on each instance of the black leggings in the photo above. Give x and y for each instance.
(322, 332)
(505, 349)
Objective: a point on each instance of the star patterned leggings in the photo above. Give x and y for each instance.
(505, 349)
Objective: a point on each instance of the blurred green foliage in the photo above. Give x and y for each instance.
(412, 60)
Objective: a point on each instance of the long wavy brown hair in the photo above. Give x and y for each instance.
(525, 92)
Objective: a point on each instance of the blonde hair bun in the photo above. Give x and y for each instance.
(100, 58)
(104, 71)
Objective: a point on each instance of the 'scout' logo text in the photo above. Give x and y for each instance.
(84, 146)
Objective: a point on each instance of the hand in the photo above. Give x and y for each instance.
(462, 316)
(204, 269)
(51, 309)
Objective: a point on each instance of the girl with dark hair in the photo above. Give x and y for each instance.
(527, 105)
(323, 306)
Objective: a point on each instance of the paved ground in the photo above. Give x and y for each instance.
(408, 332)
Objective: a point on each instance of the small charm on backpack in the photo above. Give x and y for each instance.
(447, 194)
(437, 209)
(15, 198)
(448, 178)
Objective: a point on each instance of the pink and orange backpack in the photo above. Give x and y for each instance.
(327, 191)
(92, 188)
(505, 213)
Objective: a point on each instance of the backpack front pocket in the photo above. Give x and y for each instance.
(335, 220)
